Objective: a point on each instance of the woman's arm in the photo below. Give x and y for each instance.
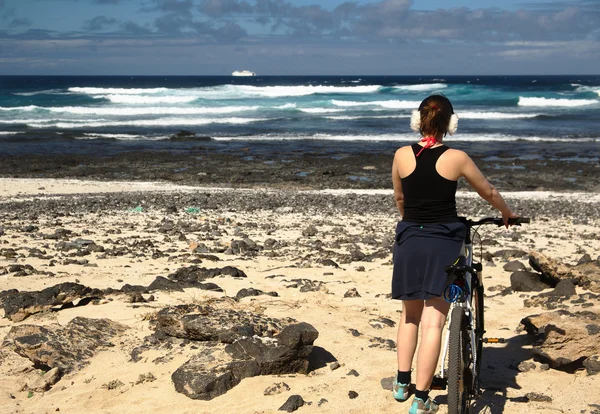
(483, 187)
(398, 194)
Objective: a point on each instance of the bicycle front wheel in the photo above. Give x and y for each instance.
(459, 378)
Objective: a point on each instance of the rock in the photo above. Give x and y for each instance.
(379, 323)
(136, 298)
(551, 300)
(510, 253)
(353, 373)
(514, 266)
(276, 388)
(45, 382)
(352, 293)
(524, 281)
(534, 396)
(526, 366)
(162, 283)
(239, 345)
(334, 365)
(67, 348)
(292, 404)
(1, 230)
(552, 270)
(143, 378)
(329, 262)
(113, 385)
(586, 258)
(322, 401)
(309, 231)
(352, 394)
(19, 305)
(387, 383)
(561, 338)
(592, 364)
(244, 293)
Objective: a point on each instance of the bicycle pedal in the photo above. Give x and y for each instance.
(493, 340)
(439, 383)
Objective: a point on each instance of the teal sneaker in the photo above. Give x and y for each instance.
(400, 391)
(419, 406)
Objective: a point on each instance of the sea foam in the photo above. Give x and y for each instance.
(528, 101)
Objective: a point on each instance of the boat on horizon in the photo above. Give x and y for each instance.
(242, 73)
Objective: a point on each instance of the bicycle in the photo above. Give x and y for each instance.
(464, 341)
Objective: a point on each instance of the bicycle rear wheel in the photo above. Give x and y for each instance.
(479, 331)
(459, 376)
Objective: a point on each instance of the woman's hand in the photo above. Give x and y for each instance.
(508, 214)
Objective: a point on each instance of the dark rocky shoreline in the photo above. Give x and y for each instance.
(298, 169)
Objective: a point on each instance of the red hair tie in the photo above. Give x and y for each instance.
(429, 142)
(434, 107)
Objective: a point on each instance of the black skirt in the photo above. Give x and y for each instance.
(420, 254)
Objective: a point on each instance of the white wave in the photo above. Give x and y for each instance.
(527, 101)
(286, 106)
(139, 99)
(118, 91)
(404, 138)
(350, 117)
(8, 132)
(160, 122)
(133, 111)
(583, 88)
(303, 90)
(394, 104)
(320, 110)
(19, 108)
(494, 115)
(121, 137)
(45, 92)
(422, 87)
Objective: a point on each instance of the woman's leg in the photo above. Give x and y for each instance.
(433, 320)
(408, 330)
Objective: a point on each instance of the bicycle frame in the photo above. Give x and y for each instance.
(464, 302)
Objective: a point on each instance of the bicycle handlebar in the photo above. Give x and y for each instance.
(497, 221)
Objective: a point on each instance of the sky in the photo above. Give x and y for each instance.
(299, 37)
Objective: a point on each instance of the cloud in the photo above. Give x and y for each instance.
(99, 23)
(170, 6)
(19, 23)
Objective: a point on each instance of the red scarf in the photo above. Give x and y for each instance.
(429, 142)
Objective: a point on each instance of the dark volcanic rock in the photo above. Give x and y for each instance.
(561, 338)
(514, 266)
(19, 305)
(68, 347)
(292, 404)
(244, 293)
(255, 345)
(524, 281)
(510, 253)
(205, 323)
(550, 300)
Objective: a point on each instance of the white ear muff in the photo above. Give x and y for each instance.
(453, 125)
(415, 121)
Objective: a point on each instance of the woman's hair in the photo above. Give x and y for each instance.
(435, 111)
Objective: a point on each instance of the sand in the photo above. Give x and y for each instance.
(327, 310)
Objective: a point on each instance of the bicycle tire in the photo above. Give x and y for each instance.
(458, 386)
(479, 331)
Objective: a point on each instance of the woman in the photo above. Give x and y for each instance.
(429, 237)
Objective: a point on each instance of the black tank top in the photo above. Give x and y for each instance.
(429, 197)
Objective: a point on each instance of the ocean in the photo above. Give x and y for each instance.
(107, 115)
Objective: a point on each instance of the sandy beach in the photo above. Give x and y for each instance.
(325, 254)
